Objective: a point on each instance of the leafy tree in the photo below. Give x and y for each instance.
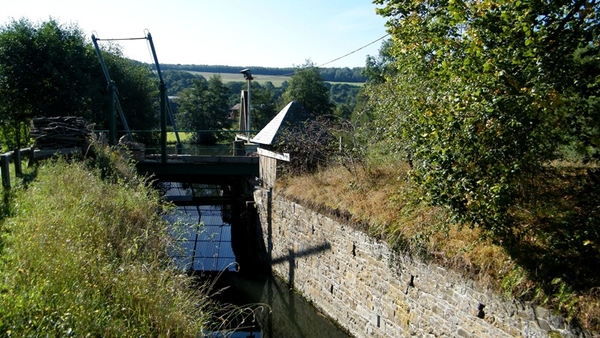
(377, 69)
(178, 80)
(44, 71)
(263, 105)
(235, 89)
(483, 94)
(204, 107)
(307, 87)
(344, 97)
(50, 70)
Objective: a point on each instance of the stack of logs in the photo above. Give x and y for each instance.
(60, 132)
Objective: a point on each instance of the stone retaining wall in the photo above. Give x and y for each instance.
(372, 292)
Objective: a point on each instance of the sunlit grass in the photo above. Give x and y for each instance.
(82, 256)
(183, 137)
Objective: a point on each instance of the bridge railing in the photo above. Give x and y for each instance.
(216, 142)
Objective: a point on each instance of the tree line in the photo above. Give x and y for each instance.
(204, 104)
(49, 69)
(331, 74)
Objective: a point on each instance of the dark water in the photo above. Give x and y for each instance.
(278, 311)
(264, 305)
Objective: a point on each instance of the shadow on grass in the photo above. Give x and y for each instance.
(558, 242)
(7, 195)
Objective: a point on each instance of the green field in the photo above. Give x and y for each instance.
(183, 137)
(277, 80)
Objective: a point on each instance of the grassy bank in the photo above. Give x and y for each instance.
(83, 254)
(546, 263)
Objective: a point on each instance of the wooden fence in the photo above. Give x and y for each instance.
(32, 155)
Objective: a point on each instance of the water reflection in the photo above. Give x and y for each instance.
(265, 305)
(285, 313)
(203, 239)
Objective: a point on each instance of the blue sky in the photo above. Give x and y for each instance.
(268, 33)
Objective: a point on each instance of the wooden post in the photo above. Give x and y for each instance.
(238, 148)
(4, 161)
(17, 159)
(30, 158)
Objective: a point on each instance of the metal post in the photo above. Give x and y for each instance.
(17, 159)
(248, 76)
(249, 79)
(115, 106)
(112, 115)
(163, 123)
(163, 103)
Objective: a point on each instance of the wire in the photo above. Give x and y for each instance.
(121, 39)
(354, 51)
(343, 56)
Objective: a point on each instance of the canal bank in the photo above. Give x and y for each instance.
(373, 291)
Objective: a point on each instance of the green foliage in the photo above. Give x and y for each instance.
(137, 90)
(48, 69)
(263, 102)
(381, 67)
(482, 94)
(87, 257)
(344, 97)
(44, 71)
(204, 107)
(178, 80)
(307, 87)
(483, 98)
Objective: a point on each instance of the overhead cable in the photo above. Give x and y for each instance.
(354, 51)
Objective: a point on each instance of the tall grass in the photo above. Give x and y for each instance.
(86, 256)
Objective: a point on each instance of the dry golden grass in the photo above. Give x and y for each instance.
(390, 212)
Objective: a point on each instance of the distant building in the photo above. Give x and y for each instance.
(234, 112)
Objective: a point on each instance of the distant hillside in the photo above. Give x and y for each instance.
(353, 75)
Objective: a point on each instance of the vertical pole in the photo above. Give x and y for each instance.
(112, 88)
(163, 123)
(17, 159)
(4, 161)
(30, 154)
(248, 126)
(163, 103)
(112, 114)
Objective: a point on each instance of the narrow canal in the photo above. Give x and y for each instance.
(207, 235)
